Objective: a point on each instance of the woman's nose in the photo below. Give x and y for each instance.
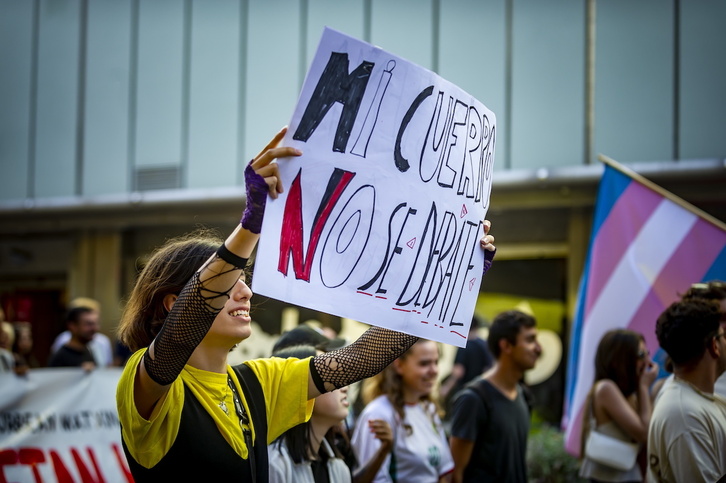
(241, 291)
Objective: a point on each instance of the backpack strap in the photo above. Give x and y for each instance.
(477, 386)
(252, 390)
(528, 396)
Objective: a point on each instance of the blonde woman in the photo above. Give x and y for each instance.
(402, 397)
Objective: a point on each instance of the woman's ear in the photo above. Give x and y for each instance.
(168, 301)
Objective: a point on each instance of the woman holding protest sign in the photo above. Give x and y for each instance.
(185, 413)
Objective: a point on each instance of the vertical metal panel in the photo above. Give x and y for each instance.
(404, 28)
(16, 55)
(159, 83)
(548, 67)
(272, 84)
(472, 56)
(634, 80)
(214, 94)
(346, 17)
(57, 98)
(105, 149)
(702, 79)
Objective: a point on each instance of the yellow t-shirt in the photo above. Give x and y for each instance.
(149, 440)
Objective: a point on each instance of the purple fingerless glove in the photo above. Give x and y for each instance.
(488, 259)
(256, 198)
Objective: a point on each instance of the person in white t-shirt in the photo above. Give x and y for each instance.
(402, 396)
(687, 433)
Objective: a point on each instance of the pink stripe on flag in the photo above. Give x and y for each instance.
(686, 266)
(626, 218)
(644, 319)
(690, 261)
(574, 427)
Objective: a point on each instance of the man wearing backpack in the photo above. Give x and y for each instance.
(490, 416)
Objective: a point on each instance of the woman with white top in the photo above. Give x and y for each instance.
(402, 396)
(619, 404)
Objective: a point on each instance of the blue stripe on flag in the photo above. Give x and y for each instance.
(612, 185)
(718, 269)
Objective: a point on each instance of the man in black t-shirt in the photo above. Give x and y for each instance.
(83, 324)
(490, 417)
(470, 362)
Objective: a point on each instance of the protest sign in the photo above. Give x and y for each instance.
(61, 425)
(381, 217)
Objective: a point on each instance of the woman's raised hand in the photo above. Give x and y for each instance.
(262, 177)
(263, 164)
(487, 241)
(487, 244)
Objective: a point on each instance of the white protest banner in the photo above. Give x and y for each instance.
(61, 425)
(381, 216)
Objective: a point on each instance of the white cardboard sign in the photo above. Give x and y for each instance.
(381, 216)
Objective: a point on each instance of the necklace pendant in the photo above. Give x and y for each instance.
(223, 407)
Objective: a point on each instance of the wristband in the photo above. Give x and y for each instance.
(488, 259)
(256, 189)
(229, 257)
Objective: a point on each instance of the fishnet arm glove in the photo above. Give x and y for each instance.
(190, 319)
(365, 357)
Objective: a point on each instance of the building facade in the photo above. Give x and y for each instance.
(126, 122)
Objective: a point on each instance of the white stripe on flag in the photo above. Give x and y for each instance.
(627, 287)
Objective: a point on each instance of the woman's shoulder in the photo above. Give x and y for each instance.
(381, 401)
(605, 387)
(281, 464)
(378, 408)
(607, 399)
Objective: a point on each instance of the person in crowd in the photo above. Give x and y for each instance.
(305, 334)
(490, 416)
(23, 348)
(100, 346)
(402, 396)
(185, 414)
(308, 452)
(7, 361)
(619, 403)
(687, 433)
(121, 354)
(82, 323)
(470, 362)
(713, 290)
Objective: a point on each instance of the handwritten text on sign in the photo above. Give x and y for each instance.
(381, 216)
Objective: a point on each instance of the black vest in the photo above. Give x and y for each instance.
(200, 452)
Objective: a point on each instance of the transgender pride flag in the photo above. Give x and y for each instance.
(647, 247)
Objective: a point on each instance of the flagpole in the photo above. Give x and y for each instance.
(661, 191)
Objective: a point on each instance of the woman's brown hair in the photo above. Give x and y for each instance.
(167, 271)
(616, 359)
(390, 383)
